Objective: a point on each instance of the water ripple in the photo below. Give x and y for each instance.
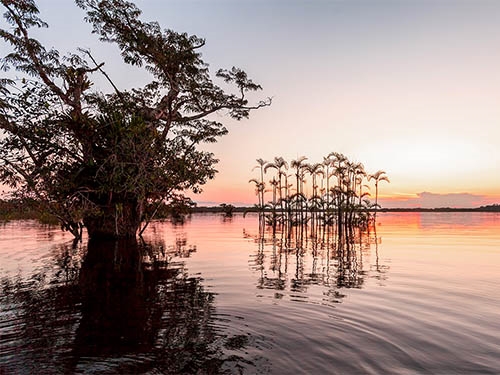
(203, 298)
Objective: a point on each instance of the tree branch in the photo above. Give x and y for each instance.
(36, 61)
(99, 67)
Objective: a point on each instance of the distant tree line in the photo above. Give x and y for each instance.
(15, 209)
(491, 207)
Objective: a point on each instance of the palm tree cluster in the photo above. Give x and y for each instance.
(316, 195)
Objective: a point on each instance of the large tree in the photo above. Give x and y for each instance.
(98, 158)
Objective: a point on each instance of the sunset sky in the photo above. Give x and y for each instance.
(410, 87)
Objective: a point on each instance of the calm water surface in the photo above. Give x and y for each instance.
(419, 295)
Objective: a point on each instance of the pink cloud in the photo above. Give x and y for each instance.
(434, 200)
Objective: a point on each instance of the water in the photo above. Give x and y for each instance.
(417, 296)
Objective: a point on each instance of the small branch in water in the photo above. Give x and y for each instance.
(150, 218)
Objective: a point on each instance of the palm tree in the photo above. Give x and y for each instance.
(259, 191)
(360, 175)
(314, 170)
(340, 190)
(299, 165)
(260, 164)
(327, 162)
(378, 177)
(274, 183)
(357, 176)
(281, 167)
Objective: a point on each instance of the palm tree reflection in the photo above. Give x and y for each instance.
(290, 264)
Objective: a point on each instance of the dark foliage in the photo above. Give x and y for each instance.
(99, 158)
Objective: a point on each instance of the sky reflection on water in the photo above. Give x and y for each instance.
(216, 295)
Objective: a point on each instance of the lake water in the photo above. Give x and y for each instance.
(418, 295)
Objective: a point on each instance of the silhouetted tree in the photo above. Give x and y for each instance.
(281, 167)
(299, 165)
(227, 209)
(260, 184)
(378, 177)
(98, 158)
(339, 201)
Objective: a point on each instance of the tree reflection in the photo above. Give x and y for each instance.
(113, 287)
(295, 258)
(118, 307)
(380, 269)
(39, 315)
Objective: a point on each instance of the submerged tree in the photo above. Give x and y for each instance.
(340, 201)
(101, 159)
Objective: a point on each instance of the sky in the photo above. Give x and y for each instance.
(408, 87)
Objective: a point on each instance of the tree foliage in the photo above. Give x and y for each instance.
(97, 157)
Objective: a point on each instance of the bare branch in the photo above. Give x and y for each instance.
(99, 67)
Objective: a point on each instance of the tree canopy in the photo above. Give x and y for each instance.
(102, 158)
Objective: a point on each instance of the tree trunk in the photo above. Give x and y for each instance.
(115, 220)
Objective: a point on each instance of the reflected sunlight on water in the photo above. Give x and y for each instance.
(218, 295)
